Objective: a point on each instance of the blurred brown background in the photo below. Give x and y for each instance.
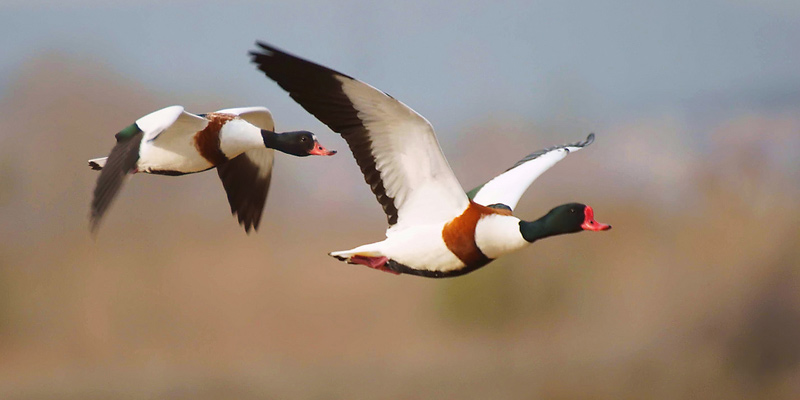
(694, 294)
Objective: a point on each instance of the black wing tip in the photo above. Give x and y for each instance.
(249, 225)
(261, 57)
(95, 166)
(589, 140)
(96, 212)
(265, 46)
(583, 143)
(266, 50)
(247, 219)
(246, 192)
(94, 226)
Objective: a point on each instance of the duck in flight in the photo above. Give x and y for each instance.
(239, 142)
(435, 229)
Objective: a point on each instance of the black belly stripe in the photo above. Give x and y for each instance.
(404, 269)
(173, 173)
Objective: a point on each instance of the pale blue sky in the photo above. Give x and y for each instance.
(604, 61)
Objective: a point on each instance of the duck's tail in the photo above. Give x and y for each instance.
(365, 256)
(97, 163)
(367, 250)
(347, 255)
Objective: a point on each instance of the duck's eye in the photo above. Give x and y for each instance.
(303, 139)
(572, 210)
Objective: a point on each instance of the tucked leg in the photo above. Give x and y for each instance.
(378, 263)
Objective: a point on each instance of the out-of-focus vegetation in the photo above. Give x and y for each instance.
(695, 293)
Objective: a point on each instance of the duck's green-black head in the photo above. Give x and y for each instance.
(298, 143)
(566, 218)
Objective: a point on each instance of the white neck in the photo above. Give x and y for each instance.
(238, 136)
(498, 234)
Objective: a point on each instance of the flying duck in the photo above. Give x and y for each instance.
(239, 142)
(435, 229)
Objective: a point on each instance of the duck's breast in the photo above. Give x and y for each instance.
(498, 234)
(238, 136)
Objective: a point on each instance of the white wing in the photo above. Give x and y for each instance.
(395, 147)
(508, 187)
(171, 120)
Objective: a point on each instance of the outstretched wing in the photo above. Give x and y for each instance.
(120, 163)
(395, 147)
(169, 127)
(246, 177)
(508, 187)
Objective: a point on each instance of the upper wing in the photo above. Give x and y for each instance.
(246, 177)
(118, 165)
(395, 147)
(170, 123)
(258, 116)
(508, 187)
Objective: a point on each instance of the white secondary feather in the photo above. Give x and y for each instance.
(100, 162)
(173, 117)
(413, 169)
(508, 187)
(169, 124)
(168, 139)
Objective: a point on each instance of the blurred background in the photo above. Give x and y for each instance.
(695, 293)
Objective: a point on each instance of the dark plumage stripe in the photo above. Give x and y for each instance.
(404, 269)
(166, 172)
(318, 91)
(207, 141)
(120, 163)
(459, 235)
(246, 188)
(537, 154)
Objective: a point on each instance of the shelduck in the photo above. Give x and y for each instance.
(239, 142)
(435, 229)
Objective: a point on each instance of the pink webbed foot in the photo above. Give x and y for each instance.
(378, 263)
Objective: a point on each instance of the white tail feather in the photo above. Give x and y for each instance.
(345, 255)
(98, 163)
